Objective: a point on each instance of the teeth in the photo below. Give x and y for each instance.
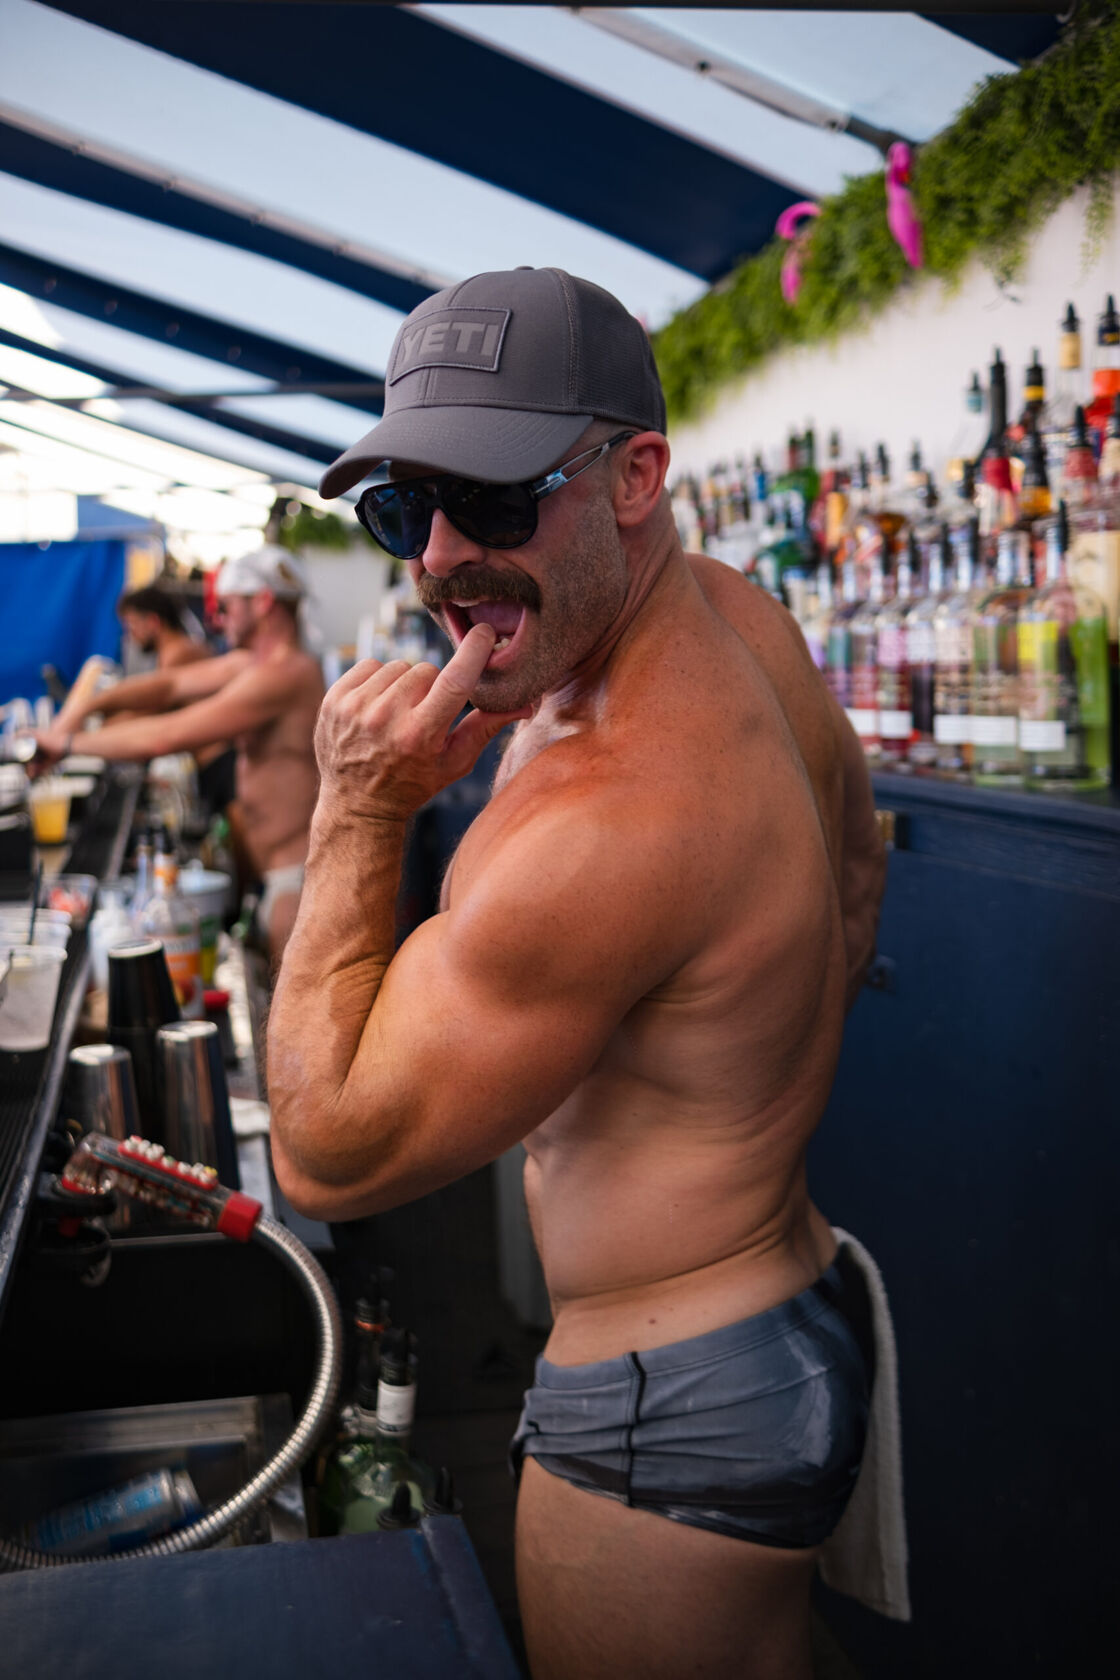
(502, 641)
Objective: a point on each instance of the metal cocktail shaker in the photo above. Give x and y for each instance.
(100, 1094)
(195, 1099)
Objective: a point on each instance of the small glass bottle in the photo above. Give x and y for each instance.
(921, 648)
(952, 632)
(1069, 393)
(896, 718)
(863, 711)
(1063, 677)
(815, 628)
(174, 921)
(1079, 477)
(1106, 368)
(996, 759)
(969, 440)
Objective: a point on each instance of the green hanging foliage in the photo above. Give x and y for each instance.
(1021, 145)
(310, 527)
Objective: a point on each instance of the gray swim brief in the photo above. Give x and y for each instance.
(755, 1430)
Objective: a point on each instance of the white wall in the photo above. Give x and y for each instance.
(345, 586)
(903, 377)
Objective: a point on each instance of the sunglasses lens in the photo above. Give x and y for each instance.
(496, 515)
(398, 517)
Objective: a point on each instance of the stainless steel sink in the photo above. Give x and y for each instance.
(46, 1462)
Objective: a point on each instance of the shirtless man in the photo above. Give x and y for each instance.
(645, 947)
(151, 617)
(263, 696)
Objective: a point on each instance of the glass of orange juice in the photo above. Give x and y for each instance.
(49, 799)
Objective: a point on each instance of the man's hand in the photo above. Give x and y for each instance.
(384, 739)
(50, 745)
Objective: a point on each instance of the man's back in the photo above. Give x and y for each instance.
(674, 1169)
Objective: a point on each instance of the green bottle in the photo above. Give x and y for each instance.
(364, 1486)
(1063, 677)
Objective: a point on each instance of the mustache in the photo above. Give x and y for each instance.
(484, 584)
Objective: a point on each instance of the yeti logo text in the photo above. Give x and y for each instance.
(462, 338)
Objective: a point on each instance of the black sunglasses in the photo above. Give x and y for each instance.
(399, 516)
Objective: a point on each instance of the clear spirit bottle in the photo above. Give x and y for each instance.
(896, 717)
(952, 634)
(1069, 394)
(996, 758)
(921, 647)
(1063, 677)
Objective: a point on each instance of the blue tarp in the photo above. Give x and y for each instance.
(58, 606)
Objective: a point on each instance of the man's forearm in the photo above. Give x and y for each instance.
(133, 738)
(151, 692)
(333, 966)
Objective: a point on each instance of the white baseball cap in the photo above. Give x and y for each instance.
(270, 567)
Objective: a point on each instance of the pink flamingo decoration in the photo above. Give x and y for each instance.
(902, 216)
(786, 228)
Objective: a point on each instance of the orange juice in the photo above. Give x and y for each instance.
(50, 813)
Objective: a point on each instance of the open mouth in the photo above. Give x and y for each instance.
(505, 618)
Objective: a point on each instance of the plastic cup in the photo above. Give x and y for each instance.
(49, 800)
(46, 933)
(27, 1013)
(71, 895)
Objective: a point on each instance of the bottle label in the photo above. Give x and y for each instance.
(895, 726)
(921, 647)
(892, 647)
(864, 721)
(1094, 563)
(1042, 735)
(995, 731)
(950, 729)
(1069, 350)
(184, 963)
(396, 1407)
(1089, 646)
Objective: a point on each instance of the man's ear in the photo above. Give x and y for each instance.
(640, 478)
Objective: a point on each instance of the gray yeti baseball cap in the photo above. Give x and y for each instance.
(497, 376)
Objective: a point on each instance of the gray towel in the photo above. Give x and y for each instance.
(865, 1555)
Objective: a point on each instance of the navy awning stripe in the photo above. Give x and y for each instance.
(277, 436)
(397, 76)
(152, 318)
(1012, 35)
(56, 166)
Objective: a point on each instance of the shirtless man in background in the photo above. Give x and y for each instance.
(263, 696)
(641, 964)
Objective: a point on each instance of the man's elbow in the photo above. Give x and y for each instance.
(315, 1195)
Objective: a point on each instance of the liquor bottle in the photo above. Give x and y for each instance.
(372, 1482)
(885, 508)
(995, 489)
(142, 890)
(1063, 678)
(996, 758)
(921, 647)
(1069, 394)
(863, 708)
(1079, 478)
(1108, 472)
(952, 634)
(838, 668)
(819, 616)
(175, 922)
(832, 504)
(1032, 416)
(1035, 500)
(686, 514)
(971, 434)
(896, 718)
(1106, 368)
